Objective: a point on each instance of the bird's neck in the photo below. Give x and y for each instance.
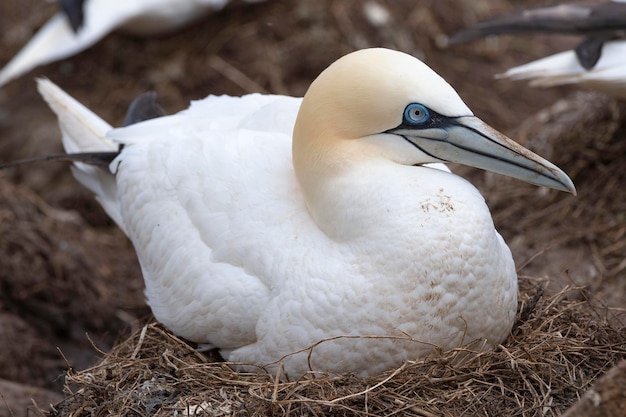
(357, 195)
(347, 193)
(325, 165)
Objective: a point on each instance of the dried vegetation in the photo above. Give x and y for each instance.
(558, 348)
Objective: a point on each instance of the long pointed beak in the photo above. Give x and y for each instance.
(470, 141)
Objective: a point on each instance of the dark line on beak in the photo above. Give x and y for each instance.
(440, 122)
(423, 150)
(495, 157)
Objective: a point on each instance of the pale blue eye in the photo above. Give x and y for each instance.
(416, 114)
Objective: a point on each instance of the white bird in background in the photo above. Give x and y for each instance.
(351, 251)
(82, 23)
(598, 62)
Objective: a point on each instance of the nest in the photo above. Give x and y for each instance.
(557, 349)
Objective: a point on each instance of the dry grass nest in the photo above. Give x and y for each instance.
(557, 349)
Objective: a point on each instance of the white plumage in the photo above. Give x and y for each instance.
(607, 76)
(597, 63)
(57, 40)
(345, 252)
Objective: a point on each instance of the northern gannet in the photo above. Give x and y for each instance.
(82, 23)
(351, 251)
(598, 62)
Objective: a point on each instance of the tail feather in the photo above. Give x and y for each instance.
(83, 131)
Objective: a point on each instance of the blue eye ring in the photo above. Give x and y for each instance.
(416, 114)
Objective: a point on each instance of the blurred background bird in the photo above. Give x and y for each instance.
(598, 62)
(81, 23)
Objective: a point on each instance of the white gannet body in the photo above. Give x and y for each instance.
(607, 76)
(57, 39)
(341, 253)
(597, 63)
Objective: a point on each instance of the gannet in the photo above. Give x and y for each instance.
(351, 251)
(597, 63)
(82, 23)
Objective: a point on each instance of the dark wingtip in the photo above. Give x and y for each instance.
(143, 107)
(510, 23)
(599, 21)
(466, 35)
(589, 50)
(75, 12)
(99, 159)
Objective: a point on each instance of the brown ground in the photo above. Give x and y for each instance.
(69, 278)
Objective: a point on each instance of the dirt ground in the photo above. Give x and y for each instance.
(69, 280)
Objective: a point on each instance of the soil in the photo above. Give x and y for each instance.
(70, 285)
